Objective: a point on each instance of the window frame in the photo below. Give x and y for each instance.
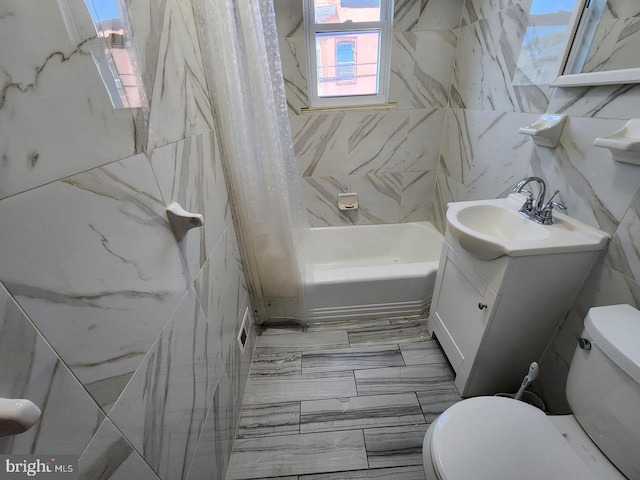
(384, 26)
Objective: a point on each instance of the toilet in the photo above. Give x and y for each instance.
(497, 438)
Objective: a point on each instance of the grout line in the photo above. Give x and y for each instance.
(355, 382)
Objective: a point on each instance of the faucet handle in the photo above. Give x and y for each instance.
(552, 203)
(546, 214)
(528, 203)
(558, 205)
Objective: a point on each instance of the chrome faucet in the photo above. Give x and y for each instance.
(529, 206)
(537, 210)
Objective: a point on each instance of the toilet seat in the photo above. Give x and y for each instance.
(465, 440)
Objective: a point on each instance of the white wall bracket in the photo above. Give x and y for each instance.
(182, 221)
(546, 131)
(17, 416)
(623, 144)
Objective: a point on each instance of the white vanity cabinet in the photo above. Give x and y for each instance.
(494, 317)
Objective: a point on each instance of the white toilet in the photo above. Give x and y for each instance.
(495, 438)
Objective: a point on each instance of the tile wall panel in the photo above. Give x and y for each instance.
(124, 337)
(483, 158)
(375, 152)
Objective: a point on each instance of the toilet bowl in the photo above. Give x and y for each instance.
(496, 438)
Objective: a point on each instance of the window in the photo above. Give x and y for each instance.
(348, 51)
(114, 62)
(346, 61)
(111, 53)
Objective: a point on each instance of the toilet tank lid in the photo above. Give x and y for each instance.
(616, 331)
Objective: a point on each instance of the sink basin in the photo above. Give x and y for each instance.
(490, 229)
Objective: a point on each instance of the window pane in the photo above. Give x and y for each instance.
(348, 63)
(543, 42)
(114, 62)
(340, 11)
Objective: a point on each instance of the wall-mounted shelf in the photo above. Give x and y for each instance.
(546, 131)
(624, 144)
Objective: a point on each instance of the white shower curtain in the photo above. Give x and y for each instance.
(240, 49)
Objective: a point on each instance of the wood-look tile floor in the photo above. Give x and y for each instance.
(340, 401)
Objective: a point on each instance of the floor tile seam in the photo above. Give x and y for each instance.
(365, 388)
(270, 350)
(386, 394)
(383, 343)
(353, 428)
(269, 404)
(349, 349)
(418, 399)
(448, 375)
(366, 450)
(367, 428)
(300, 375)
(438, 390)
(427, 421)
(389, 392)
(282, 435)
(352, 471)
(355, 383)
(346, 368)
(359, 369)
(276, 375)
(273, 405)
(355, 471)
(372, 430)
(424, 364)
(362, 418)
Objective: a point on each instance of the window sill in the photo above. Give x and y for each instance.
(382, 106)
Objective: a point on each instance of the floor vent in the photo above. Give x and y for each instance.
(243, 335)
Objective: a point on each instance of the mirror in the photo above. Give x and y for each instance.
(544, 40)
(602, 46)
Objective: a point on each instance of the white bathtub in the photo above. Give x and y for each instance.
(371, 270)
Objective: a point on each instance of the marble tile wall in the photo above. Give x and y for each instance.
(389, 157)
(124, 337)
(483, 156)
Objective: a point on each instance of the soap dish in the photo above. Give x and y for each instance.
(624, 144)
(546, 131)
(347, 201)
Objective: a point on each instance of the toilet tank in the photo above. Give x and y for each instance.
(603, 387)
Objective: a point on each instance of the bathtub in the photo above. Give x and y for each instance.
(368, 271)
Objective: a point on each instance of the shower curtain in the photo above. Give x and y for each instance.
(240, 50)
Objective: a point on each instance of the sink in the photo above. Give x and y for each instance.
(490, 229)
